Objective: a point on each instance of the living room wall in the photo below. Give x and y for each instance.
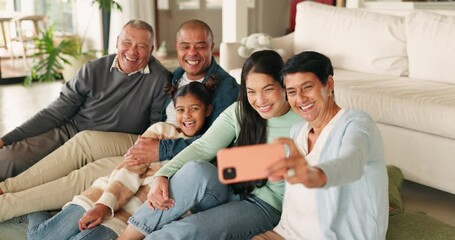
(269, 16)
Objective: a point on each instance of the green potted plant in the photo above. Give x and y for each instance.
(50, 57)
(77, 58)
(62, 59)
(107, 5)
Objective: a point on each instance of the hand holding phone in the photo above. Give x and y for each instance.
(246, 163)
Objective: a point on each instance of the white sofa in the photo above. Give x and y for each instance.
(400, 69)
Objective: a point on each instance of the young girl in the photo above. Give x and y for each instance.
(126, 188)
(260, 115)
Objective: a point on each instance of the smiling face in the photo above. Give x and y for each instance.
(194, 51)
(134, 48)
(190, 114)
(309, 98)
(265, 95)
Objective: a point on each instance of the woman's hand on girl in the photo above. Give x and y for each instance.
(158, 196)
(295, 168)
(93, 217)
(145, 150)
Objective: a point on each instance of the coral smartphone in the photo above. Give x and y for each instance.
(245, 163)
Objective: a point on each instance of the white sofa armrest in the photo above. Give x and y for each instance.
(286, 43)
(229, 58)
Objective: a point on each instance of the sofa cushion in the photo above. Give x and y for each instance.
(418, 226)
(431, 46)
(236, 73)
(424, 106)
(395, 183)
(356, 40)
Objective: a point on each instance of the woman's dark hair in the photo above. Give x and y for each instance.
(309, 61)
(203, 91)
(253, 126)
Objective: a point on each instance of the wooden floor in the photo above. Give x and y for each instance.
(18, 103)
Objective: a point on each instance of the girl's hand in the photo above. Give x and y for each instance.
(158, 196)
(295, 168)
(93, 217)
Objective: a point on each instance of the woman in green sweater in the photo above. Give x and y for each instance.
(238, 211)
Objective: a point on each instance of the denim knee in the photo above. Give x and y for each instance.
(200, 171)
(205, 192)
(203, 175)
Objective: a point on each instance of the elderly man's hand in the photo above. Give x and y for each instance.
(145, 150)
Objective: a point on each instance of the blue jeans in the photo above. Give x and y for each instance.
(64, 225)
(216, 212)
